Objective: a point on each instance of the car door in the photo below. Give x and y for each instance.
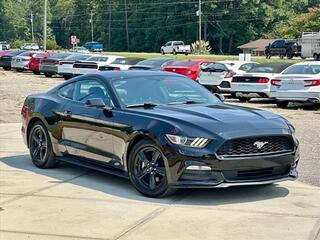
(84, 133)
(168, 48)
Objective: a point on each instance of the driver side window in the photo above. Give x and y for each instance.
(89, 89)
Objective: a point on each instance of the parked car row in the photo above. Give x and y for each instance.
(284, 82)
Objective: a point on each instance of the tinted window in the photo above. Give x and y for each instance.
(88, 89)
(77, 57)
(98, 59)
(60, 55)
(67, 91)
(161, 90)
(303, 69)
(177, 43)
(216, 67)
(246, 67)
(153, 62)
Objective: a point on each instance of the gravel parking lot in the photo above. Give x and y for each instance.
(15, 87)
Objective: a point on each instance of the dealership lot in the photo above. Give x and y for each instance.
(75, 203)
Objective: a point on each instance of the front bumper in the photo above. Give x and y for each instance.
(219, 172)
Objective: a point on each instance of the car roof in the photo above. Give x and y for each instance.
(114, 75)
(308, 63)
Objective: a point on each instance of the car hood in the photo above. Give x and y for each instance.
(217, 119)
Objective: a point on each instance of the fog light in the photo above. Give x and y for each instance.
(199, 168)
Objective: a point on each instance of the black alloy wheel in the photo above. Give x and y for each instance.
(147, 170)
(282, 104)
(40, 147)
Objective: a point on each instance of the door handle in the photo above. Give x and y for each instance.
(67, 113)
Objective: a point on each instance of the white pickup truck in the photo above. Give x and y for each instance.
(310, 45)
(175, 47)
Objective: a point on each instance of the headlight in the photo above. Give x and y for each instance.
(291, 127)
(188, 141)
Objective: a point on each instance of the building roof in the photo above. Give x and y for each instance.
(258, 45)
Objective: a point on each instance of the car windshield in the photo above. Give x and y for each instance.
(162, 90)
(98, 59)
(184, 63)
(77, 57)
(128, 61)
(303, 69)
(153, 62)
(60, 55)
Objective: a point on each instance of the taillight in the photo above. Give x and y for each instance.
(116, 68)
(230, 74)
(25, 113)
(191, 72)
(263, 80)
(276, 82)
(312, 83)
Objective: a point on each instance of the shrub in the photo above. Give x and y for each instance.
(202, 47)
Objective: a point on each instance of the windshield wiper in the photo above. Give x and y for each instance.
(186, 102)
(145, 105)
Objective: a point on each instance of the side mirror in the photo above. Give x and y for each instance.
(220, 96)
(95, 102)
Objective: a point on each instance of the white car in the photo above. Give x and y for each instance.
(123, 63)
(79, 50)
(256, 83)
(93, 64)
(298, 83)
(30, 46)
(21, 62)
(175, 47)
(65, 67)
(217, 76)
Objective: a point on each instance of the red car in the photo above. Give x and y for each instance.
(189, 68)
(34, 63)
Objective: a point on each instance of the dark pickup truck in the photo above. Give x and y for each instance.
(283, 48)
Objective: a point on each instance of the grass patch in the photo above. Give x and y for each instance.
(211, 57)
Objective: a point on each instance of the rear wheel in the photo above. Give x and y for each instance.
(316, 57)
(147, 170)
(36, 72)
(40, 147)
(7, 68)
(282, 104)
(48, 75)
(289, 55)
(244, 99)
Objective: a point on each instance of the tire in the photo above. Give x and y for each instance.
(150, 180)
(162, 52)
(48, 75)
(281, 56)
(282, 104)
(243, 99)
(233, 95)
(36, 72)
(289, 55)
(186, 54)
(66, 77)
(174, 52)
(19, 70)
(7, 68)
(40, 147)
(316, 57)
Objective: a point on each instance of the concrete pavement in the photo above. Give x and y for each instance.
(76, 203)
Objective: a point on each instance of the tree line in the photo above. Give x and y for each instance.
(145, 25)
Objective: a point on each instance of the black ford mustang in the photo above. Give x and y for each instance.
(161, 130)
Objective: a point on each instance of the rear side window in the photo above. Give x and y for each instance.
(67, 91)
(246, 67)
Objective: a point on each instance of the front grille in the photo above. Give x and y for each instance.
(253, 174)
(256, 145)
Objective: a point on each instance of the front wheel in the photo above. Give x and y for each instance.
(174, 52)
(40, 147)
(48, 75)
(282, 104)
(147, 170)
(162, 52)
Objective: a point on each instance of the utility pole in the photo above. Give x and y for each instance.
(200, 13)
(109, 28)
(45, 25)
(31, 20)
(91, 21)
(126, 18)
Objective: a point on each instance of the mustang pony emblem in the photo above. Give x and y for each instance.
(259, 144)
